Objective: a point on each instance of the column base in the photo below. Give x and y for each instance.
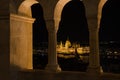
(51, 67)
(94, 70)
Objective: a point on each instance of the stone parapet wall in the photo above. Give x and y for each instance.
(65, 75)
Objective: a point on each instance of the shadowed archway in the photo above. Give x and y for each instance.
(40, 37)
(108, 36)
(40, 33)
(73, 24)
(109, 25)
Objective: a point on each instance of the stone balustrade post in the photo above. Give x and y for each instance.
(94, 61)
(52, 43)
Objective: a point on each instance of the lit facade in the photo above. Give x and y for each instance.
(69, 48)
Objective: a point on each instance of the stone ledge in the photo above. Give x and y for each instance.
(64, 75)
(21, 18)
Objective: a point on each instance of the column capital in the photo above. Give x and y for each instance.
(50, 25)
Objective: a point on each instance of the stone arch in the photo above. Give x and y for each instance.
(79, 10)
(25, 8)
(58, 11)
(100, 6)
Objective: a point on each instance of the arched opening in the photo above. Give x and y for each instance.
(40, 34)
(73, 30)
(108, 37)
(73, 23)
(40, 37)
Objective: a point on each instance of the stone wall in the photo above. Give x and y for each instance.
(4, 40)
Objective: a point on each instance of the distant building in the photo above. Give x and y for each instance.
(69, 48)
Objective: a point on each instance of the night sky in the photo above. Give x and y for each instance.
(40, 33)
(73, 24)
(110, 23)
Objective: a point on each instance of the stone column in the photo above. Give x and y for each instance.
(52, 43)
(93, 23)
(94, 42)
(20, 42)
(94, 62)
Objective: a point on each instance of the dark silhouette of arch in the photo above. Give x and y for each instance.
(40, 37)
(40, 34)
(110, 23)
(109, 36)
(73, 24)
